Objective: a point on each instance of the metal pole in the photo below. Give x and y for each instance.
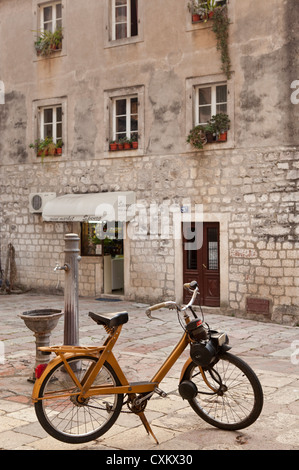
(71, 291)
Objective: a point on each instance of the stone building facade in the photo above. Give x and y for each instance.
(150, 70)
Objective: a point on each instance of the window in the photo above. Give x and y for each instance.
(125, 118)
(49, 131)
(51, 17)
(210, 100)
(200, 10)
(124, 19)
(207, 96)
(51, 123)
(102, 239)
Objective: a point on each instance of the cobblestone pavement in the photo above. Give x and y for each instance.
(271, 350)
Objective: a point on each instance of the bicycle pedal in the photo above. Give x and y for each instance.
(160, 392)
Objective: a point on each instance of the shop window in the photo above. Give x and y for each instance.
(102, 239)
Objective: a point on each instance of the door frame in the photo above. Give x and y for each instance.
(223, 220)
(201, 272)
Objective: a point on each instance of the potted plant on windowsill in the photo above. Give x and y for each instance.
(197, 137)
(47, 42)
(221, 124)
(209, 131)
(44, 147)
(113, 145)
(120, 144)
(198, 10)
(134, 141)
(211, 5)
(59, 147)
(56, 40)
(126, 143)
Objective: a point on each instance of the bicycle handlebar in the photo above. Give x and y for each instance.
(171, 305)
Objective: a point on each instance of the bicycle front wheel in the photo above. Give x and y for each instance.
(63, 416)
(229, 396)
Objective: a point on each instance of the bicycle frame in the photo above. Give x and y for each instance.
(104, 353)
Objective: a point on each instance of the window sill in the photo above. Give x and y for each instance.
(55, 157)
(219, 145)
(54, 54)
(199, 25)
(124, 153)
(123, 42)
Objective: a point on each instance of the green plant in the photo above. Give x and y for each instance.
(197, 137)
(209, 128)
(56, 40)
(197, 7)
(47, 41)
(211, 5)
(43, 43)
(44, 147)
(209, 132)
(220, 123)
(59, 144)
(220, 28)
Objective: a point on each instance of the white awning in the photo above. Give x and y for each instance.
(90, 207)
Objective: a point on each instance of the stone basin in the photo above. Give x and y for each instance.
(41, 321)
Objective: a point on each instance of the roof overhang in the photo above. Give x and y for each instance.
(89, 207)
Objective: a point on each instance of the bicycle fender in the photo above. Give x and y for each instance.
(37, 385)
(185, 366)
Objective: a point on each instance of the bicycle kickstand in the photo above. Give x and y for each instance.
(147, 425)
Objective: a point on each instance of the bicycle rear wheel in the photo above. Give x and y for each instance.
(63, 417)
(237, 400)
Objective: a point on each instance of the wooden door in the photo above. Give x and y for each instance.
(202, 264)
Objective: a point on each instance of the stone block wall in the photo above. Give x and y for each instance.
(257, 191)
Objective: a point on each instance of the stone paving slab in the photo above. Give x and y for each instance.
(143, 346)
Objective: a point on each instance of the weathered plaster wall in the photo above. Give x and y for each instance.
(13, 124)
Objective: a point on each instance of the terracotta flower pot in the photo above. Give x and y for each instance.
(222, 137)
(113, 146)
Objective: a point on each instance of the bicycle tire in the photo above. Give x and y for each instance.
(239, 400)
(69, 421)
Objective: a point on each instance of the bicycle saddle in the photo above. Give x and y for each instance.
(110, 319)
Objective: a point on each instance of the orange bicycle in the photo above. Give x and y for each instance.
(80, 394)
